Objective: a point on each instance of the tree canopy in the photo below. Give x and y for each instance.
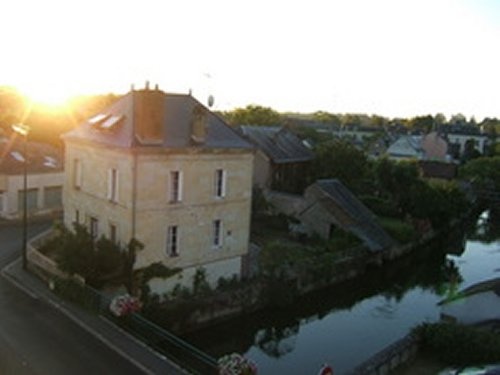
(253, 115)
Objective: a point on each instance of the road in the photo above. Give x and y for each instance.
(37, 339)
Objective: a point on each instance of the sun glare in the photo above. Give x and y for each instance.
(50, 98)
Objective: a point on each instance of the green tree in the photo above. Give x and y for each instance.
(422, 123)
(484, 172)
(254, 115)
(327, 118)
(13, 107)
(340, 159)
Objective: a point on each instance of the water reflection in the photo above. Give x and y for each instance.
(349, 322)
(487, 229)
(275, 331)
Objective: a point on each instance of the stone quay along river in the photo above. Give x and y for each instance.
(346, 324)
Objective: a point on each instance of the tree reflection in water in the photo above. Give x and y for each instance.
(275, 331)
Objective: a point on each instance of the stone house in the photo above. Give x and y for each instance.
(434, 147)
(44, 178)
(163, 169)
(282, 161)
(326, 206)
(406, 147)
(329, 205)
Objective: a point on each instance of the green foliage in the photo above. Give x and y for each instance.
(341, 240)
(73, 291)
(380, 206)
(200, 283)
(458, 345)
(341, 160)
(421, 123)
(158, 269)
(397, 229)
(259, 202)
(484, 172)
(327, 118)
(254, 115)
(76, 252)
(392, 179)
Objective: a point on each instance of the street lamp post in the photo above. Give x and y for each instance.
(24, 130)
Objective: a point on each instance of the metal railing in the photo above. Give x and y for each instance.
(174, 348)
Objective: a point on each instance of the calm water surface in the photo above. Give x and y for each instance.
(348, 323)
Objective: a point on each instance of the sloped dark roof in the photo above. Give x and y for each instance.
(42, 157)
(355, 216)
(278, 143)
(178, 116)
(436, 169)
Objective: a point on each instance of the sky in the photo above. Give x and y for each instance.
(395, 58)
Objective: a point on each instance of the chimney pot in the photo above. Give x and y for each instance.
(146, 86)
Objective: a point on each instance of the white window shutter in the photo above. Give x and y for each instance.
(180, 187)
(117, 185)
(224, 179)
(110, 184)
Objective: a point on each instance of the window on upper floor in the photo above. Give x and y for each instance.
(217, 233)
(175, 186)
(172, 241)
(113, 184)
(77, 173)
(94, 227)
(220, 183)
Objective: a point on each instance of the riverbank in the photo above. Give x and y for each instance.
(280, 291)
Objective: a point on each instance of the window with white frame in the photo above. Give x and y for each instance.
(77, 174)
(113, 184)
(173, 241)
(217, 233)
(220, 183)
(94, 227)
(175, 186)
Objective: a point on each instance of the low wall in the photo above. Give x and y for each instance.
(288, 204)
(389, 359)
(42, 266)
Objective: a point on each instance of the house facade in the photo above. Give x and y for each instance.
(163, 169)
(44, 167)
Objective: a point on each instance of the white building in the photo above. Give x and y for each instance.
(44, 178)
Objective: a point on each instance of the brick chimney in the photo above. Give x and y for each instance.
(149, 115)
(199, 124)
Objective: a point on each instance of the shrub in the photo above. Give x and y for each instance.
(458, 345)
(397, 229)
(381, 207)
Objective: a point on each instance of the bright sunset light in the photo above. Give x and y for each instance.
(46, 96)
(388, 57)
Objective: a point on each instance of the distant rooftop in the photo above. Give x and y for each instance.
(278, 143)
(41, 157)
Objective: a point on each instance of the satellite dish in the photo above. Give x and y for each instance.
(210, 101)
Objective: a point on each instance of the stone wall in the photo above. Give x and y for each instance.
(390, 358)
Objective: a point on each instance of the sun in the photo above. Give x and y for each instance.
(47, 96)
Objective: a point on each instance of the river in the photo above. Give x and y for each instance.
(348, 323)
